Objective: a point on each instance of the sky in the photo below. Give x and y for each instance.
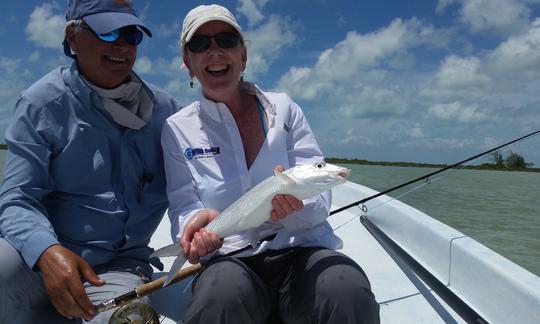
(388, 80)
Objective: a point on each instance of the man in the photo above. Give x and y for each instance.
(84, 185)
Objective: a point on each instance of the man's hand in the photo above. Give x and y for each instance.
(283, 205)
(62, 272)
(197, 241)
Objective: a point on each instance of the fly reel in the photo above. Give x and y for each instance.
(134, 313)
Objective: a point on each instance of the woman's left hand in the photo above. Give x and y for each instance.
(283, 205)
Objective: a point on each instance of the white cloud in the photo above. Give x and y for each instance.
(9, 66)
(172, 77)
(356, 76)
(251, 9)
(368, 91)
(437, 143)
(266, 43)
(457, 78)
(352, 137)
(460, 73)
(370, 100)
(143, 65)
(44, 28)
(167, 30)
(506, 70)
(349, 60)
(504, 16)
(519, 55)
(457, 111)
(14, 77)
(164, 67)
(416, 131)
(34, 57)
(443, 4)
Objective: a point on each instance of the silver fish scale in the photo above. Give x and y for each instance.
(239, 212)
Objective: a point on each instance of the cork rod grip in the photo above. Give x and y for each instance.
(157, 284)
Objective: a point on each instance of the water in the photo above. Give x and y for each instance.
(499, 209)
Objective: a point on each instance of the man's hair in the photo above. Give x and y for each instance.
(75, 24)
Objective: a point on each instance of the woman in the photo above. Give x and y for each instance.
(215, 150)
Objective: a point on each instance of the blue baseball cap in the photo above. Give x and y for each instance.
(104, 16)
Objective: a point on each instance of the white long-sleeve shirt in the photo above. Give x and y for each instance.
(206, 168)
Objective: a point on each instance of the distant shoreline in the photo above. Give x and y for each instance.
(485, 166)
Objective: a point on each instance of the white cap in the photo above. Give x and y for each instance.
(203, 14)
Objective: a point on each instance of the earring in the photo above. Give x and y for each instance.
(191, 82)
(242, 77)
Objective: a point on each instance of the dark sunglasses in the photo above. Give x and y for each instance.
(132, 35)
(200, 43)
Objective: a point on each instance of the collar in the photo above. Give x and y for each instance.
(77, 85)
(81, 90)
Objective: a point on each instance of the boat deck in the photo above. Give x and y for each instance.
(451, 278)
(402, 295)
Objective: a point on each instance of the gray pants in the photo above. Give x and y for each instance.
(296, 285)
(23, 298)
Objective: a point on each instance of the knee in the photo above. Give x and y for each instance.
(228, 292)
(346, 297)
(346, 293)
(14, 291)
(231, 289)
(11, 264)
(350, 305)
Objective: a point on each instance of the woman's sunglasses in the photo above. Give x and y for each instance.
(132, 35)
(200, 43)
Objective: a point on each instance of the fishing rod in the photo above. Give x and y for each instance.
(146, 289)
(427, 176)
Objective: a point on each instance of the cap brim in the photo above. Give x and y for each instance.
(105, 22)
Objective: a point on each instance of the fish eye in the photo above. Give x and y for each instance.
(320, 165)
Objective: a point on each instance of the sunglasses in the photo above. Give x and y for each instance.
(132, 35)
(200, 43)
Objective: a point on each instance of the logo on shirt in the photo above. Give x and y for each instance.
(201, 152)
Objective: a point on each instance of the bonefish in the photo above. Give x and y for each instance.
(254, 207)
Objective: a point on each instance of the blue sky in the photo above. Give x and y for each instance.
(423, 81)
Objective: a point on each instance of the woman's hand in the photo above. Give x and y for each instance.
(284, 205)
(196, 241)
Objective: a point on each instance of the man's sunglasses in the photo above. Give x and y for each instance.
(201, 43)
(132, 34)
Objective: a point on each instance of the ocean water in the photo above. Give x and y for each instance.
(499, 209)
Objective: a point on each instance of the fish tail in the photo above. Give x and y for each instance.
(177, 265)
(166, 251)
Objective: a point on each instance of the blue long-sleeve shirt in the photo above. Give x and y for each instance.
(75, 177)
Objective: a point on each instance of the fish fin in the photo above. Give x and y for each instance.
(253, 237)
(285, 179)
(166, 251)
(177, 265)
